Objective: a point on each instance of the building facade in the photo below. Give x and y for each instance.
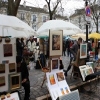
(33, 16)
(80, 20)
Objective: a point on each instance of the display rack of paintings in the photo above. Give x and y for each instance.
(85, 70)
(55, 42)
(14, 81)
(55, 79)
(83, 50)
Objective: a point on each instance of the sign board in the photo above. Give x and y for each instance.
(88, 11)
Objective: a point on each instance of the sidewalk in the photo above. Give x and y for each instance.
(37, 93)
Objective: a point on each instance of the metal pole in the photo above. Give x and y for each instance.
(86, 4)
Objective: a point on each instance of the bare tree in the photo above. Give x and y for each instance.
(52, 11)
(13, 7)
(95, 7)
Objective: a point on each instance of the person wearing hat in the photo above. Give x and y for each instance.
(24, 76)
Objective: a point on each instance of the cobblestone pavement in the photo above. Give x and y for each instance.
(36, 78)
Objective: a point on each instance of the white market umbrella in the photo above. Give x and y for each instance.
(67, 27)
(14, 27)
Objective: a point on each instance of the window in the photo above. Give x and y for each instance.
(22, 16)
(44, 18)
(34, 18)
(34, 27)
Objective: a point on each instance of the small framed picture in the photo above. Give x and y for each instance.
(7, 48)
(55, 42)
(2, 68)
(14, 81)
(54, 64)
(12, 67)
(2, 81)
(60, 76)
(83, 50)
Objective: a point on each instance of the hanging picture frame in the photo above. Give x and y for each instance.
(7, 40)
(55, 42)
(2, 68)
(12, 67)
(7, 48)
(2, 81)
(14, 81)
(83, 50)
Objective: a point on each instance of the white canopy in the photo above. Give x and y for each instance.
(67, 27)
(14, 27)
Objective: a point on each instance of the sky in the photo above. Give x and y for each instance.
(69, 5)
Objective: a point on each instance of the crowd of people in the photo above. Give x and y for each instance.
(70, 49)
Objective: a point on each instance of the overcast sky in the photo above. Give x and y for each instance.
(69, 5)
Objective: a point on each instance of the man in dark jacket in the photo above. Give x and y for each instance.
(24, 76)
(74, 50)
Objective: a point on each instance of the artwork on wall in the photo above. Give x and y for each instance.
(55, 42)
(83, 50)
(5, 61)
(2, 68)
(7, 50)
(0, 39)
(7, 40)
(2, 81)
(12, 67)
(14, 81)
(54, 64)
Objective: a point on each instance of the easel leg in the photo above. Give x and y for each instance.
(43, 80)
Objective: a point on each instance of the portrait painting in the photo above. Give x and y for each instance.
(62, 91)
(7, 48)
(55, 42)
(14, 81)
(66, 89)
(83, 50)
(52, 79)
(2, 68)
(54, 64)
(12, 67)
(60, 76)
(2, 81)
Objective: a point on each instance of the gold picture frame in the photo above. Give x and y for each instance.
(55, 42)
(12, 67)
(2, 81)
(2, 68)
(14, 81)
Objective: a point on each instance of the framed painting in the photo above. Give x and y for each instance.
(14, 81)
(83, 50)
(54, 64)
(60, 76)
(55, 42)
(12, 67)
(7, 48)
(2, 68)
(2, 81)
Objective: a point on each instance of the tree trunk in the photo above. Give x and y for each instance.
(13, 7)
